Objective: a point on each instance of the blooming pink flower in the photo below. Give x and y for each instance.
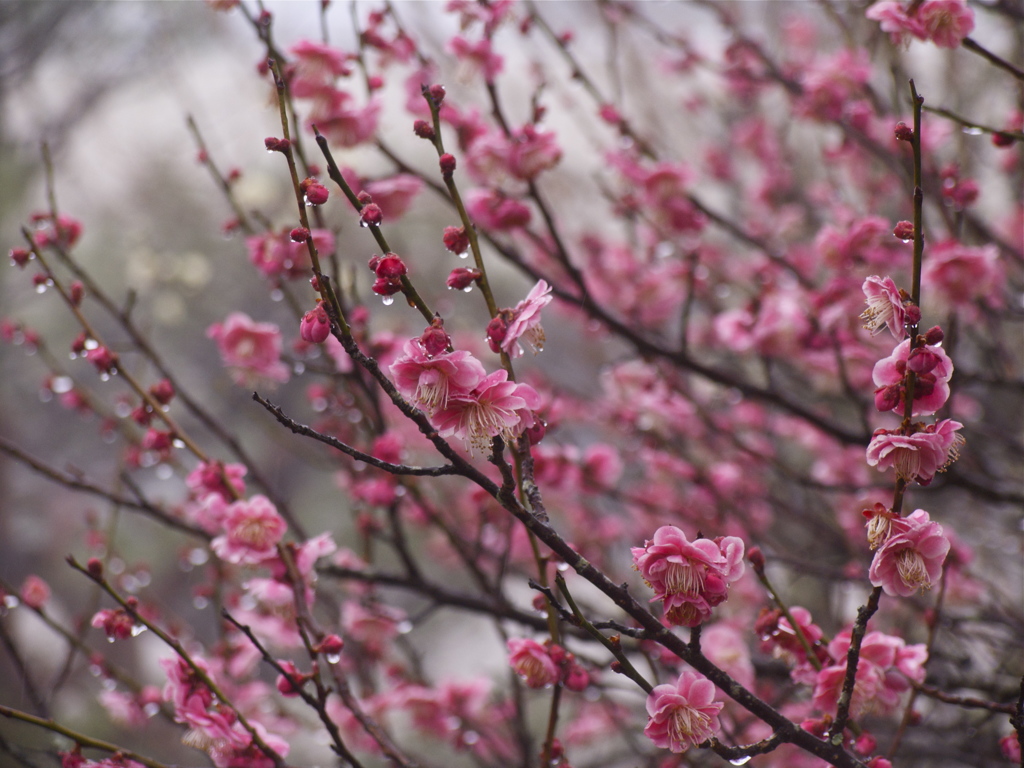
(394, 194)
(525, 322)
(933, 370)
(373, 627)
(214, 477)
(252, 529)
(946, 22)
(961, 275)
(918, 456)
(344, 124)
(684, 714)
(690, 577)
(251, 350)
(315, 67)
(476, 58)
(911, 558)
(115, 622)
(532, 152)
(885, 306)
(532, 662)
(495, 408)
(276, 255)
(429, 381)
(893, 19)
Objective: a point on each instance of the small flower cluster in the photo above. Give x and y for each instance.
(690, 577)
(541, 665)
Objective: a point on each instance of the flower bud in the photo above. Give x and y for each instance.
(922, 360)
(756, 558)
(424, 130)
(447, 163)
(315, 326)
(904, 132)
(1001, 139)
(274, 144)
(382, 286)
(76, 291)
(434, 339)
(904, 230)
(371, 215)
(162, 391)
(364, 198)
(462, 278)
(536, 433)
(95, 567)
(299, 235)
(456, 240)
(317, 194)
(888, 398)
(496, 331)
(390, 266)
(934, 335)
(911, 314)
(20, 256)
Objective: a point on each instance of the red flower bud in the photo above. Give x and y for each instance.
(371, 215)
(462, 278)
(299, 235)
(496, 331)
(904, 132)
(888, 398)
(162, 391)
(317, 194)
(934, 335)
(437, 94)
(364, 198)
(922, 360)
(382, 286)
(904, 230)
(911, 314)
(315, 326)
(424, 130)
(274, 144)
(331, 645)
(390, 266)
(95, 567)
(756, 558)
(76, 291)
(434, 339)
(1003, 139)
(456, 240)
(20, 256)
(447, 163)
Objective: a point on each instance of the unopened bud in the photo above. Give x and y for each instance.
(447, 163)
(274, 144)
(434, 338)
(462, 278)
(76, 291)
(20, 256)
(904, 132)
(756, 558)
(911, 314)
(162, 391)
(437, 94)
(1001, 139)
(456, 240)
(934, 335)
(371, 215)
(299, 235)
(95, 567)
(424, 130)
(390, 266)
(904, 230)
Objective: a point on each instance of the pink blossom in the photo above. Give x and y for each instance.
(525, 322)
(195, 705)
(495, 408)
(492, 210)
(315, 325)
(684, 714)
(893, 19)
(532, 152)
(931, 386)
(532, 662)
(373, 627)
(394, 194)
(34, 592)
(946, 22)
(251, 350)
(215, 477)
(276, 255)
(344, 124)
(429, 381)
(1010, 747)
(911, 558)
(116, 622)
(885, 306)
(918, 456)
(885, 669)
(476, 58)
(315, 67)
(690, 577)
(228, 754)
(252, 529)
(962, 275)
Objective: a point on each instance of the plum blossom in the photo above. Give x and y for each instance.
(215, 477)
(933, 370)
(495, 408)
(961, 274)
(690, 577)
(885, 670)
(946, 22)
(918, 456)
(911, 558)
(252, 529)
(520, 323)
(885, 306)
(493, 210)
(428, 381)
(532, 662)
(34, 592)
(683, 714)
(277, 255)
(251, 350)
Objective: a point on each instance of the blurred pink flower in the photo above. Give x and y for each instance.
(492, 210)
(210, 477)
(251, 350)
(252, 529)
(962, 274)
(476, 58)
(946, 22)
(532, 152)
(911, 558)
(315, 67)
(683, 714)
(34, 592)
(532, 662)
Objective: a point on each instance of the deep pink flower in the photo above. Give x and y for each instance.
(946, 22)
(116, 622)
(492, 210)
(251, 350)
(893, 19)
(315, 67)
(931, 386)
(315, 326)
(532, 152)
(690, 577)
(211, 477)
(684, 714)
(429, 381)
(962, 275)
(532, 662)
(495, 408)
(252, 529)
(885, 306)
(918, 456)
(525, 322)
(276, 254)
(911, 558)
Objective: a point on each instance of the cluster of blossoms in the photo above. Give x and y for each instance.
(690, 578)
(541, 665)
(943, 22)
